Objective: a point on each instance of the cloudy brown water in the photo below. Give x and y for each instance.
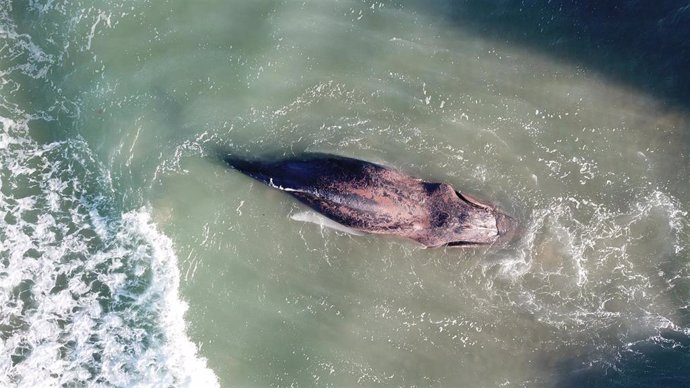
(110, 184)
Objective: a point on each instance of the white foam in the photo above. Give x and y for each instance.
(78, 310)
(186, 366)
(578, 253)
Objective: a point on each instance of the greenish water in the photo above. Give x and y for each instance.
(115, 215)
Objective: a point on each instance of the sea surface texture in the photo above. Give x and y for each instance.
(131, 256)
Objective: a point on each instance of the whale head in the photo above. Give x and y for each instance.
(471, 223)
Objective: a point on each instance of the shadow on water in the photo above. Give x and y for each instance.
(641, 43)
(660, 361)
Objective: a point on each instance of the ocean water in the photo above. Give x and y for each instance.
(130, 256)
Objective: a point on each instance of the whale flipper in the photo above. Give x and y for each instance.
(323, 221)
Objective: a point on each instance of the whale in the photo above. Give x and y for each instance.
(370, 198)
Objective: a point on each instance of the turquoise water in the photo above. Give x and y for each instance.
(129, 256)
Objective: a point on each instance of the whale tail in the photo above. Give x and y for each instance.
(254, 169)
(299, 173)
(286, 175)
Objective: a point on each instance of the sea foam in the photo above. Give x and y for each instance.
(90, 294)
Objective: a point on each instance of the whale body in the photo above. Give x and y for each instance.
(370, 198)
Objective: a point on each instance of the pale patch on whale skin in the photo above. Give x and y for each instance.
(324, 222)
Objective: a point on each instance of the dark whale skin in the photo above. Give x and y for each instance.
(375, 199)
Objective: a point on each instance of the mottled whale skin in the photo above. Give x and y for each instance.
(371, 198)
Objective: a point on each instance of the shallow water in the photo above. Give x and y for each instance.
(131, 256)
